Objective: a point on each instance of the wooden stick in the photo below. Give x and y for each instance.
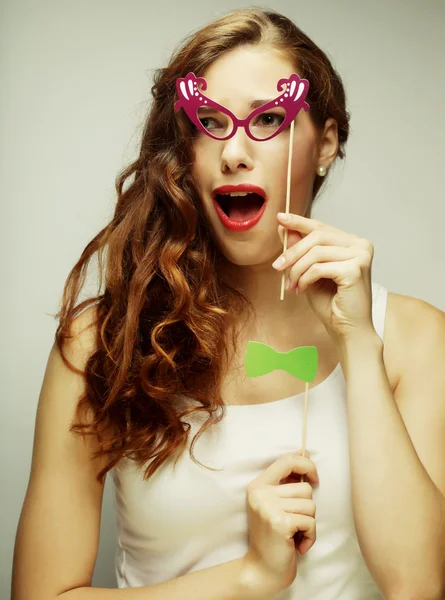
(289, 171)
(305, 422)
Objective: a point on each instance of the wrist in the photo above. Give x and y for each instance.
(367, 341)
(355, 337)
(253, 581)
(356, 351)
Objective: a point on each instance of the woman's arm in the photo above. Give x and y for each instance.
(58, 532)
(398, 508)
(227, 581)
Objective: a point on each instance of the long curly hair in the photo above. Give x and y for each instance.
(166, 320)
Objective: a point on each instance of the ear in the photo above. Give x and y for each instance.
(328, 145)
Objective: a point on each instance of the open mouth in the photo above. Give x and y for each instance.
(240, 207)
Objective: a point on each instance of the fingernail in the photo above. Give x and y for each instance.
(283, 216)
(279, 262)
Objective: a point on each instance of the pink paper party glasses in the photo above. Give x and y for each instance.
(267, 120)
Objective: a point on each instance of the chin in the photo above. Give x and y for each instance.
(243, 256)
(253, 247)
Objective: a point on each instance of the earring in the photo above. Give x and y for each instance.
(321, 171)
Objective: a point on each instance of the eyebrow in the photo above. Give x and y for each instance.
(252, 105)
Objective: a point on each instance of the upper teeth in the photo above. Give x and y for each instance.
(235, 194)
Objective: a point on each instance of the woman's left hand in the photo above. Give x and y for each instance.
(334, 269)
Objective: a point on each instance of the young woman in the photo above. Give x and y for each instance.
(215, 498)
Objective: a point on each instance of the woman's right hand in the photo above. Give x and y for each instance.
(276, 512)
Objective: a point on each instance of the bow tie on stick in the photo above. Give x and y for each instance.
(300, 362)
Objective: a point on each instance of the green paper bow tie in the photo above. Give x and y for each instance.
(300, 362)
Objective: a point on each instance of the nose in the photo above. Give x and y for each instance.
(236, 153)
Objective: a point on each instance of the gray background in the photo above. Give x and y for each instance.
(75, 86)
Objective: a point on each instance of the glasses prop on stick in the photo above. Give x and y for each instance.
(300, 362)
(219, 123)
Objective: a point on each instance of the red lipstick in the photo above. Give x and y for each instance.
(237, 225)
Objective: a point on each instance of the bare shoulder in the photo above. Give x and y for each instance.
(77, 349)
(412, 325)
(62, 388)
(408, 314)
(82, 343)
(416, 340)
(58, 532)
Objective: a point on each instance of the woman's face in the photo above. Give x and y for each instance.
(234, 80)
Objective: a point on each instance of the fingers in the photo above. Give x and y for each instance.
(284, 509)
(295, 490)
(294, 523)
(306, 453)
(292, 236)
(301, 506)
(317, 240)
(284, 466)
(307, 542)
(316, 256)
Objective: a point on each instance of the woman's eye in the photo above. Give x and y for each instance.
(209, 123)
(270, 119)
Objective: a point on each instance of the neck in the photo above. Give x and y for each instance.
(279, 320)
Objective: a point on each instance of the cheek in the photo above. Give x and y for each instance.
(301, 161)
(304, 147)
(277, 153)
(303, 158)
(273, 158)
(275, 166)
(200, 165)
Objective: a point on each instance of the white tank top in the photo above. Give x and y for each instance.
(187, 518)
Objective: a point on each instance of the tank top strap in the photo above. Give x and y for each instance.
(379, 302)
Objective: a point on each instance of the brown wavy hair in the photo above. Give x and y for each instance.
(166, 321)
